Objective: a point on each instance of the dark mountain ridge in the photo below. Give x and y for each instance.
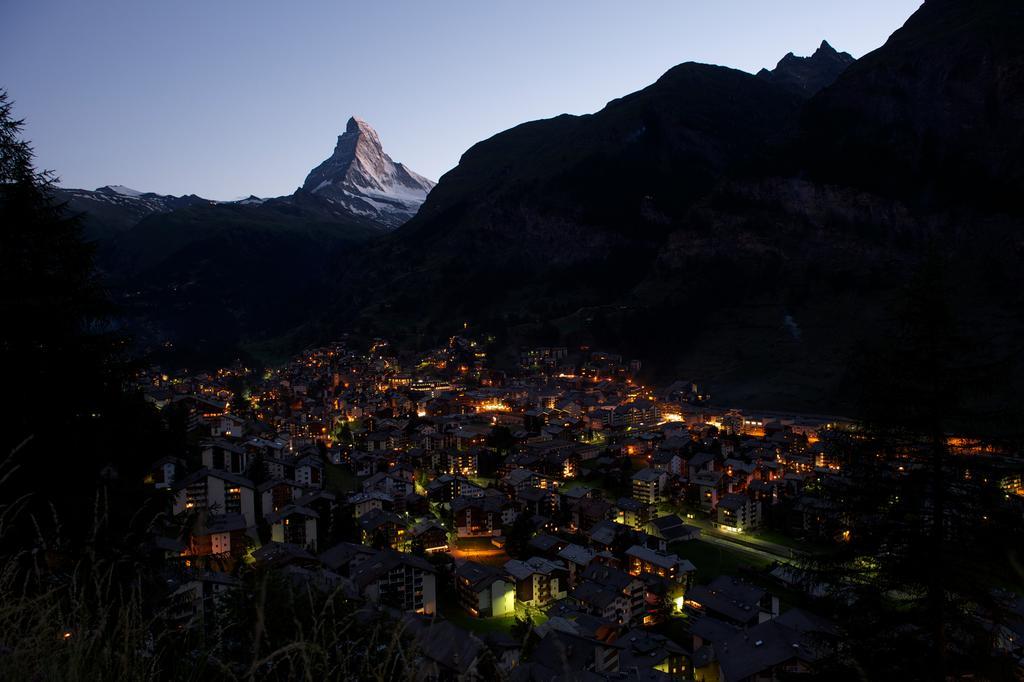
(727, 226)
(550, 201)
(935, 115)
(808, 75)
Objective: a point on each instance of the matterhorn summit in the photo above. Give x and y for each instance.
(364, 180)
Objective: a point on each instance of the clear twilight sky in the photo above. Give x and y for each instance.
(227, 98)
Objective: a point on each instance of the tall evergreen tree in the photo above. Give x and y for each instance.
(69, 429)
(929, 537)
(51, 347)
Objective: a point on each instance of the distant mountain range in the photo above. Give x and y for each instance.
(110, 210)
(209, 275)
(358, 179)
(754, 231)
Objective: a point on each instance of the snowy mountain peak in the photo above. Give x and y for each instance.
(363, 179)
(356, 125)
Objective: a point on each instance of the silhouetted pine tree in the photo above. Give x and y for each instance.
(71, 427)
(930, 537)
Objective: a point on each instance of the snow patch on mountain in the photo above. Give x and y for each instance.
(250, 200)
(122, 190)
(131, 200)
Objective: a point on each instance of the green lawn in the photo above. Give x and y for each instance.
(713, 560)
(785, 540)
(580, 482)
(481, 626)
(610, 488)
(340, 479)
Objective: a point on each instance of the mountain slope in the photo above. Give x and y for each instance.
(725, 226)
(935, 114)
(207, 279)
(909, 158)
(364, 180)
(162, 237)
(556, 214)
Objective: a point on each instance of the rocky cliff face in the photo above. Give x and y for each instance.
(362, 178)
